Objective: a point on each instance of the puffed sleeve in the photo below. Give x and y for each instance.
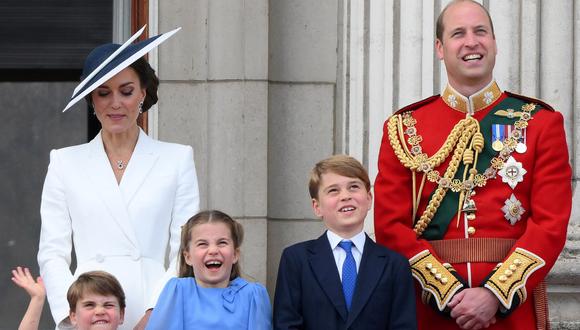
(260, 309)
(185, 206)
(168, 313)
(55, 246)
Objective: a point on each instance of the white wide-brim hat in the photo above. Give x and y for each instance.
(107, 60)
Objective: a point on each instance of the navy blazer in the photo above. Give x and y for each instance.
(309, 292)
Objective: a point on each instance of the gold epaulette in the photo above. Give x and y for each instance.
(510, 277)
(435, 277)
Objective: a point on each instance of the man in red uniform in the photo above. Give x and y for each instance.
(474, 187)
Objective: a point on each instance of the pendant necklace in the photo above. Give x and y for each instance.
(121, 165)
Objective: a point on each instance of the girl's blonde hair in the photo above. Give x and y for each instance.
(209, 216)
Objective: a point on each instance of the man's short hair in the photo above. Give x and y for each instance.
(339, 164)
(440, 27)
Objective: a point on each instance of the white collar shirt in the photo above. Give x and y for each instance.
(358, 243)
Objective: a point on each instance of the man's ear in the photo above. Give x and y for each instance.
(439, 48)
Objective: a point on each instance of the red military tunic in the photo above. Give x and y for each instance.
(531, 214)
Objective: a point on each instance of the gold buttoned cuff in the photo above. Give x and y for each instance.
(435, 277)
(510, 277)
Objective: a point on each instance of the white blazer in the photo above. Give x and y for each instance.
(129, 229)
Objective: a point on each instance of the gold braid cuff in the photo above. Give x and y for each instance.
(511, 276)
(434, 278)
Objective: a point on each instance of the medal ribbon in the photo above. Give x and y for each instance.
(497, 132)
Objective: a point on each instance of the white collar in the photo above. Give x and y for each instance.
(357, 240)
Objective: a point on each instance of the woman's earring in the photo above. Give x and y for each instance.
(140, 107)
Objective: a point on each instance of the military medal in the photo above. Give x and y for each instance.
(497, 145)
(513, 210)
(512, 172)
(497, 136)
(522, 147)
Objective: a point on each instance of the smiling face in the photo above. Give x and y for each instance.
(467, 46)
(116, 102)
(342, 203)
(94, 311)
(211, 253)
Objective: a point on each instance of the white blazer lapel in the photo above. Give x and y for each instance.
(105, 185)
(142, 161)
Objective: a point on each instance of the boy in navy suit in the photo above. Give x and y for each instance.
(343, 280)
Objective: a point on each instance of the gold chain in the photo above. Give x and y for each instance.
(466, 141)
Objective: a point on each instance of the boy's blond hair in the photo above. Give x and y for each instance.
(95, 282)
(339, 164)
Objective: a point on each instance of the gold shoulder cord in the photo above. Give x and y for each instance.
(457, 141)
(466, 142)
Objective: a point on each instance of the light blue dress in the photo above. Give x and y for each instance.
(183, 305)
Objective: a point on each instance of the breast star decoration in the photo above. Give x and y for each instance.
(513, 210)
(512, 172)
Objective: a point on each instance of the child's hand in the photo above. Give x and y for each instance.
(22, 278)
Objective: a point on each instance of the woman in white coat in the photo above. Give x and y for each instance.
(120, 199)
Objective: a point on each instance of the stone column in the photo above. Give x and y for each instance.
(214, 96)
(564, 280)
(302, 74)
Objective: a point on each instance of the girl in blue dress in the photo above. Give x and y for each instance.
(209, 292)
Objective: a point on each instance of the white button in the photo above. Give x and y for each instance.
(135, 255)
(99, 257)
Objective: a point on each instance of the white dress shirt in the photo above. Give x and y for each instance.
(358, 243)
